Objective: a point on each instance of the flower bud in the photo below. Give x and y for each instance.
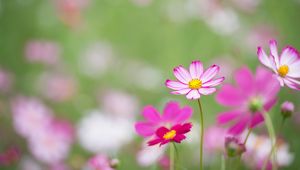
(287, 109)
(234, 147)
(114, 163)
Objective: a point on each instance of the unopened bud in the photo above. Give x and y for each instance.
(287, 109)
(114, 163)
(234, 147)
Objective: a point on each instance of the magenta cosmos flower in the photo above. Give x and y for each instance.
(175, 134)
(248, 99)
(196, 81)
(172, 115)
(286, 66)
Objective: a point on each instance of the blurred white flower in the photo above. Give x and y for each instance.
(119, 103)
(57, 86)
(101, 133)
(97, 59)
(150, 155)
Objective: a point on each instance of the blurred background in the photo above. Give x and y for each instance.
(75, 74)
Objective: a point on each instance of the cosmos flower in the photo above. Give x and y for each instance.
(234, 147)
(248, 99)
(172, 115)
(196, 81)
(286, 66)
(175, 134)
(287, 109)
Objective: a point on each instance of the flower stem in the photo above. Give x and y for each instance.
(271, 132)
(244, 143)
(172, 157)
(201, 134)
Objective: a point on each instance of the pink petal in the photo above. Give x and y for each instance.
(151, 114)
(240, 126)
(263, 58)
(184, 115)
(210, 73)
(256, 119)
(270, 103)
(182, 74)
(273, 63)
(294, 70)
(207, 91)
(274, 51)
(179, 138)
(226, 117)
(182, 129)
(196, 69)
(154, 142)
(292, 83)
(171, 110)
(175, 85)
(193, 94)
(230, 96)
(288, 56)
(183, 91)
(213, 82)
(161, 132)
(245, 80)
(144, 129)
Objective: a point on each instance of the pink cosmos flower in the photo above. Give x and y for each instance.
(99, 162)
(196, 81)
(172, 115)
(248, 99)
(211, 145)
(286, 66)
(175, 134)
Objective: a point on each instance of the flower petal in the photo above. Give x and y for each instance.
(240, 126)
(183, 91)
(184, 115)
(161, 131)
(182, 74)
(288, 56)
(230, 96)
(155, 141)
(292, 83)
(245, 80)
(210, 73)
(274, 51)
(257, 118)
(182, 129)
(175, 85)
(207, 91)
(294, 70)
(213, 82)
(171, 110)
(179, 138)
(151, 114)
(196, 69)
(263, 57)
(193, 94)
(228, 116)
(144, 129)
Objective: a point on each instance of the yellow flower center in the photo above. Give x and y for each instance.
(195, 84)
(283, 70)
(170, 135)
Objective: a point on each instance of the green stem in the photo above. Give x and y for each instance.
(172, 157)
(201, 134)
(271, 132)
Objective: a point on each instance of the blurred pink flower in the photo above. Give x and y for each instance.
(164, 162)
(286, 66)
(196, 82)
(119, 103)
(249, 99)
(44, 52)
(9, 156)
(6, 80)
(29, 114)
(174, 134)
(211, 145)
(98, 162)
(57, 87)
(52, 142)
(171, 116)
